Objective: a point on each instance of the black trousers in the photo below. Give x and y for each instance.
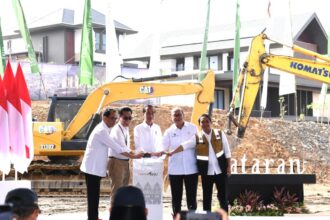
(221, 183)
(190, 182)
(93, 196)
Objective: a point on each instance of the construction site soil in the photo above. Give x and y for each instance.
(264, 139)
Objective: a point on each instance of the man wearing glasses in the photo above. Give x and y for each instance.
(94, 163)
(119, 163)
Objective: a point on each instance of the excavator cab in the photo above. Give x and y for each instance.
(48, 135)
(64, 109)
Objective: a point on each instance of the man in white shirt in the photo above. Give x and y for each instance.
(118, 163)
(213, 160)
(182, 167)
(94, 163)
(147, 135)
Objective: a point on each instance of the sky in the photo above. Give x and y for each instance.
(140, 14)
(143, 15)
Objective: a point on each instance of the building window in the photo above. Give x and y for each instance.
(100, 41)
(304, 98)
(230, 62)
(179, 64)
(219, 99)
(45, 49)
(103, 42)
(196, 62)
(213, 62)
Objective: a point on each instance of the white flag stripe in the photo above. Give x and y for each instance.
(28, 134)
(263, 103)
(264, 94)
(4, 142)
(287, 80)
(16, 135)
(282, 33)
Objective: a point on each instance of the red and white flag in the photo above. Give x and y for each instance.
(15, 122)
(24, 96)
(4, 132)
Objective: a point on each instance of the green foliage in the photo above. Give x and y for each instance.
(249, 198)
(314, 106)
(249, 204)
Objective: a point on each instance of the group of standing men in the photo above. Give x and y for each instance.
(192, 153)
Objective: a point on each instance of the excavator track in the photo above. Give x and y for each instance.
(49, 179)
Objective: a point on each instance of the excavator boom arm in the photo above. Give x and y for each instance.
(120, 91)
(314, 70)
(252, 72)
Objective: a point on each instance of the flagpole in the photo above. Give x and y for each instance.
(295, 84)
(237, 49)
(202, 64)
(43, 85)
(86, 49)
(324, 89)
(2, 53)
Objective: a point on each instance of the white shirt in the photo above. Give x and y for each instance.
(182, 163)
(213, 165)
(147, 138)
(96, 154)
(120, 135)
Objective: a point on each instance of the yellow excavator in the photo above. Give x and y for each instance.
(72, 119)
(251, 75)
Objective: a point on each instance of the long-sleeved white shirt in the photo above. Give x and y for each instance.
(120, 135)
(182, 163)
(96, 154)
(213, 165)
(147, 138)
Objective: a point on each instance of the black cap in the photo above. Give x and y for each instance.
(129, 196)
(21, 196)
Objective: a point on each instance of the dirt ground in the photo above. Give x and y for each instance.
(317, 200)
(258, 142)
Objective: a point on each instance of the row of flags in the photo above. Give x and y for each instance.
(16, 137)
(86, 75)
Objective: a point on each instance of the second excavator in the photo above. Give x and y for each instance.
(317, 68)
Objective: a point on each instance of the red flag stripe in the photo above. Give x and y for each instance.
(24, 97)
(10, 88)
(3, 100)
(22, 87)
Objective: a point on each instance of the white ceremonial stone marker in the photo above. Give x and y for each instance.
(148, 176)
